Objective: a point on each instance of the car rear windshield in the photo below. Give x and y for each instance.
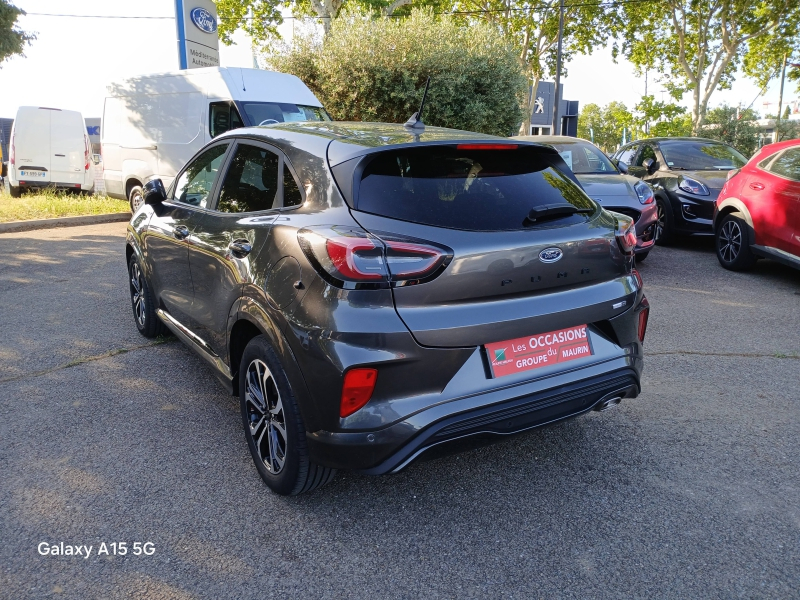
(584, 158)
(701, 156)
(468, 189)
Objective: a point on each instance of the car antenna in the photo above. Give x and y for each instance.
(415, 122)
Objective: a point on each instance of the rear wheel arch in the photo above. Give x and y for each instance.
(130, 183)
(251, 320)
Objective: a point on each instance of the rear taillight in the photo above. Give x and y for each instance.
(731, 174)
(357, 390)
(86, 153)
(12, 154)
(486, 146)
(625, 232)
(644, 314)
(351, 258)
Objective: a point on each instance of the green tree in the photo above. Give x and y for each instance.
(735, 127)
(661, 119)
(532, 27)
(700, 43)
(12, 38)
(374, 70)
(605, 125)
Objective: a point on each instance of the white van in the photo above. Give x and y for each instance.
(152, 125)
(49, 147)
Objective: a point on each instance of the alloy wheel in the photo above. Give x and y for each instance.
(137, 199)
(265, 416)
(137, 294)
(730, 241)
(661, 221)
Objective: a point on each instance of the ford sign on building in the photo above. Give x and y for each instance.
(198, 41)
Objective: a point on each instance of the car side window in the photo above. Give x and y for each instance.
(291, 191)
(195, 183)
(787, 164)
(251, 183)
(626, 154)
(647, 152)
(222, 117)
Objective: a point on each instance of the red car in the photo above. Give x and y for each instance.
(757, 213)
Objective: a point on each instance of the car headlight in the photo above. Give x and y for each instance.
(687, 184)
(644, 192)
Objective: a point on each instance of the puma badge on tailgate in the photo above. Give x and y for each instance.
(524, 354)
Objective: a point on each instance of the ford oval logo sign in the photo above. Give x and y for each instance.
(203, 20)
(550, 255)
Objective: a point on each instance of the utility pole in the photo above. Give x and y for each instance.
(556, 100)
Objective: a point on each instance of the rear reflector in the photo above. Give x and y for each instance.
(644, 314)
(357, 390)
(487, 146)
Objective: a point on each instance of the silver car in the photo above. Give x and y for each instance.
(604, 183)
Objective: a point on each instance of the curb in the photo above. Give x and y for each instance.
(63, 222)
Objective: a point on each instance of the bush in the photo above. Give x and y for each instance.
(371, 69)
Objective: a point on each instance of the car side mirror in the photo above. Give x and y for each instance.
(154, 192)
(650, 165)
(623, 168)
(96, 158)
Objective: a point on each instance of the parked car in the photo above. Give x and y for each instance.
(371, 292)
(758, 210)
(604, 183)
(686, 175)
(153, 124)
(49, 147)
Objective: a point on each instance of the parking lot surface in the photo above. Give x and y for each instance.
(690, 490)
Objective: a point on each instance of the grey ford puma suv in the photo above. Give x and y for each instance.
(371, 292)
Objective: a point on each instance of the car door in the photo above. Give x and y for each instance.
(786, 198)
(227, 240)
(166, 243)
(67, 147)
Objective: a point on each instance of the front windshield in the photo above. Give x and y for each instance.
(267, 113)
(701, 156)
(584, 158)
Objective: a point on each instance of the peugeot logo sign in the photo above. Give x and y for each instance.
(203, 20)
(550, 255)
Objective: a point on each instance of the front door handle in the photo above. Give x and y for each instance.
(757, 186)
(181, 232)
(240, 248)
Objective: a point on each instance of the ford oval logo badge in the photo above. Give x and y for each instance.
(550, 255)
(203, 20)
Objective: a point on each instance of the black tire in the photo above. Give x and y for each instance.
(732, 242)
(144, 307)
(267, 405)
(135, 197)
(665, 226)
(13, 191)
(641, 256)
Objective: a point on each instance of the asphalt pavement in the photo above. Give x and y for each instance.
(689, 491)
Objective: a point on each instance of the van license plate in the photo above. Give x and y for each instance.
(31, 174)
(540, 350)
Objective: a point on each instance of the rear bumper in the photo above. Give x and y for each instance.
(392, 448)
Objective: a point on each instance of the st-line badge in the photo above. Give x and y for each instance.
(536, 351)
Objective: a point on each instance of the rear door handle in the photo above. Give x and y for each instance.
(181, 232)
(240, 248)
(61, 155)
(757, 186)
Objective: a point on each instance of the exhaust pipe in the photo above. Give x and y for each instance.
(607, 403)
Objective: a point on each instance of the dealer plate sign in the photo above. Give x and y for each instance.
(540, 350)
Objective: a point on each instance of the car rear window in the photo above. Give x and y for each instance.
(468, 189)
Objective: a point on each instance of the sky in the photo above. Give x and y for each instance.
(73, 59)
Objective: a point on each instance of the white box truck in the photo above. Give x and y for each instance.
(49, 147)
(153, 124)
